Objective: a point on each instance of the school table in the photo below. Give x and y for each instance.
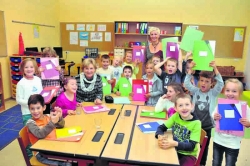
(117, 145)
(144, 148)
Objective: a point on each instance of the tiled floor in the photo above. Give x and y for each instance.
(12, 155)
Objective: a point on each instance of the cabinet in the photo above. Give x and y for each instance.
(15, 74)
(2, 105)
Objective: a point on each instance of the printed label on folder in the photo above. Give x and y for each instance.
(139, 90)
(229, 113)
(96, 107)
(103, 84)
(125, 85)
(147, 126)
(203, 53)
(72, 131)
(138, 54)
(172, 48)
(49, 66)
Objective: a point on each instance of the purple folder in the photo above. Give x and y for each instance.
(49, 70)
(172, 50)
(94, 109)
(139, 53)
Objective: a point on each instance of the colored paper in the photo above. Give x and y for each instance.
(140, 88)
(164, 44)
(152, 114)
(48, 93)
(121, 100)
(238, 34)
(139, 53)
(202, 55)
(149, 127)
(96, 36)
(49, 65)
(106, 87)
(231, 111)
(172, 50)
(80, 27)
(84, 35)
(73, 38)
(95, 109)
(125, 87)
(70, 27)
(190, 36)
(107, 36)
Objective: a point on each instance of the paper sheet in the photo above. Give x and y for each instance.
(70, 27)
(96, 36)
(84, 43)
(73, 38)
(90, 27)
(203, 53)
(101, 27)
(45, 94)
(139, 90)
(48, 67)
(84, 35)
(137, 54)
(80, 27)
(238, 34)
(107, 36)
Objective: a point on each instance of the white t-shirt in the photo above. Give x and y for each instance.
(163, 104)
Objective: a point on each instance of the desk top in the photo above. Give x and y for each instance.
(123, 125)
(144, 147)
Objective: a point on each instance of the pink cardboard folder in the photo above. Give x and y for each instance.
(139, 89)
(139, 53)
(242, 108)
(49, 65)
(172, 50)
(95, 108)
(49, 92)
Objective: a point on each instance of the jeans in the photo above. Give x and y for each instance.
(205, 153)
(218, 152)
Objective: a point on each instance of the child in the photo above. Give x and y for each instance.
(156, 59)
(172, 73)
(27, 86)
(186, 129)
(226, 142)
(117, 69)
(43, 126)
(155, 84)
(124, 84)
(204, 99)
(166, 102)
(129, 62)
(67, 100)
(49, 52)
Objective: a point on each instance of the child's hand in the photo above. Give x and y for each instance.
(137, 61)
(164, 96)
(98, 102)
(71, 112)
(162, 142)
(111, 81)
(212, 64)
(41, 69)
(118, 93)
(58, 110)
(217, 116)
(79, 104)
(147, 95)
(58, 68)
(54, 117)
(245, 122)
(169, 143)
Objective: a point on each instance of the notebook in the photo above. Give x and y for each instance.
(49, 92)
(149, 127)
(152, 114)
(139, 53)
(172, 50)
(106, 87)
(49, 65)
(95, 108)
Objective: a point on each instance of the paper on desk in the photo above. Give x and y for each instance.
(121, 100)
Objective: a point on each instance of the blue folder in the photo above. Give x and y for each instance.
(229, 123)
(149, 127)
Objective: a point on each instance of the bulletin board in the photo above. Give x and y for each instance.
(229, 39)
(3, 43)
(76, 36)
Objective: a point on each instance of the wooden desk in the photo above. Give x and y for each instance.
(123, 125)
(144, 147)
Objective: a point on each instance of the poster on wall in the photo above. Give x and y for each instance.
(96, 36)
(80, 27)
(238, 34)
(70, 27)
(101, 27)
(84, 35)
(107, 36)
(84, 43)
(73, 38)
(36, 31)
(90, 27)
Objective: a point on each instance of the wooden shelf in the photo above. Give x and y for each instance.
(172, 35)
(126, 48)
(140, 34)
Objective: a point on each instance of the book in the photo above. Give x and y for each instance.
(172, 50)
(95, 109)
(149, 127)
(140, 87)
(121, 100)
(177, 30)
(49, 92)
(49, 65)
(164, 44)
(152, 114)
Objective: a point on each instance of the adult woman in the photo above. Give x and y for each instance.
(89, 83)
(154, 47)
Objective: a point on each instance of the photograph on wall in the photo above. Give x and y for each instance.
(84, 35)
(80, 27)
(90, 27)
(96, 36)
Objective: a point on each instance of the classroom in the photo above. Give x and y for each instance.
(44, 24)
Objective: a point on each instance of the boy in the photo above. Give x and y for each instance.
(186, 131)
(204, 99)
(129, 62)
(43, 126)
(117, 69)
(124, 84)
(172, 73)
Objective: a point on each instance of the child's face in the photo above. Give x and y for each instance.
(116, 62)
(232, 91)
(184, 107)
(171, 93)
(188, 68)
(71, 86)
(171, 67)
(105, 63)
(36, 110)
(156, 60)
(128, 57)
(127, 73)
(150, 69)
(29, 69)
(205, 84)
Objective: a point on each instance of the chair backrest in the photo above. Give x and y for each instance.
(24, 141)
(203, 142)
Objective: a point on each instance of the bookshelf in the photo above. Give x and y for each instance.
(2, 105)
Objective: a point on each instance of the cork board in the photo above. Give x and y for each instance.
(3, 43)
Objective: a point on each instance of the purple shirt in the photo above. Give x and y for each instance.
(65, 104)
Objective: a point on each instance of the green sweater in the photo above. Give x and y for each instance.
(123, 86)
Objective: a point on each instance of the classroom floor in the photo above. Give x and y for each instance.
(12, 155)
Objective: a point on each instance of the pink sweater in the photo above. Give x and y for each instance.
(65, 104)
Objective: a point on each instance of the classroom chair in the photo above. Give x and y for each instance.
(24, 141)
(203, 142)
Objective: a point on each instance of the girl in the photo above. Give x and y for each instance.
(226, 142)
(166, 102)
(27, 86)
(67, 100)
(50, 53)
(155, 85)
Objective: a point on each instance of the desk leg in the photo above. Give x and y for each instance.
(84, 162)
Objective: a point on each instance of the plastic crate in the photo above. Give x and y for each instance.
(15, 60)
(15, 68)
(17, 77)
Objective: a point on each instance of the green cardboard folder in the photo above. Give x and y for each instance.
(152, 114)
(190, 35)
(106, 87)
(202, 55)
(164, 44)
(125, 87)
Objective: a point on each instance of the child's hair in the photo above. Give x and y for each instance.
(182, 96)
(23, 63)
(48, 51)
(86, 62)
(172, 60)
(36, 98)
(177, 87)
(66, 80)
(150, 62)
(105, 56)
(157, 56)
(128, 67)
(128, 52)
(154, 29)
(207, 74)
(236, 81)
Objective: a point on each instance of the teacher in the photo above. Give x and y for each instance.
(154, 47)
(89, 84)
